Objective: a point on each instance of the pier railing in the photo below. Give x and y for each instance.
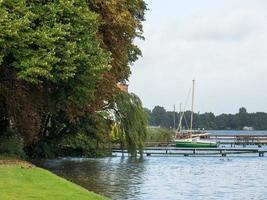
(239, 139)
(173, 151)
(228, 145)
(232, 140)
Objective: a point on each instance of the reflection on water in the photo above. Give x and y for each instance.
(168, 177)
(111, 177)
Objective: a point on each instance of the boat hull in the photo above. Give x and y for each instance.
(197, 144)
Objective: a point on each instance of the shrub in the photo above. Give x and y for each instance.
(159, 135)
(11, 143)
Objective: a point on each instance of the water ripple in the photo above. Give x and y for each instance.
(168, 177)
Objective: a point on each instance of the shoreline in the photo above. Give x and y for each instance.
(22, 180)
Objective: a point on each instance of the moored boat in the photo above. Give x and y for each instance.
(192, 138)
(191, 143)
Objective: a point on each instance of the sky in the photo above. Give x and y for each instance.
(221, 44)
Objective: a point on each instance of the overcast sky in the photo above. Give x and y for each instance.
(222, 44)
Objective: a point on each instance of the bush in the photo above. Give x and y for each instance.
(82, 144)
(12, 144)
(159, 135)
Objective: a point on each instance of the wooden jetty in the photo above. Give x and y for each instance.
(241, 139)
(229, 144)
(173, 151)
(225, 139)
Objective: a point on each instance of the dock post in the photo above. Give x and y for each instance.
(122, 153)
(223, 152)
(194, 151)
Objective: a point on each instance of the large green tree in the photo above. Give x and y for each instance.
(50, 60)
(60, 62)
(158, 116)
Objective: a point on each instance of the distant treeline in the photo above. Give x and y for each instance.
(160, 117)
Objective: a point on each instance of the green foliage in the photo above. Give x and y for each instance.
(88, 137)
(57, 60)
(160, 117)
(83, 144)
(44, 148)
(242, 110)
(161, 135)
(50, 41)
(132, 121)
(116, 134)
(53, 46)
(12, 144)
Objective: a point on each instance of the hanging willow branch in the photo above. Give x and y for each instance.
(132, 120)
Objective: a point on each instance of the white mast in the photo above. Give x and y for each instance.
(179, 128)
(180, 118)
(174, 121)
(192, 108)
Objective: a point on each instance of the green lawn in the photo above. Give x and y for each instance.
(18, 182)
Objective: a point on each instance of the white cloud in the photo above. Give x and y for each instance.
(224, 51)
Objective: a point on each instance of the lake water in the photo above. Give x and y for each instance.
(170, 178)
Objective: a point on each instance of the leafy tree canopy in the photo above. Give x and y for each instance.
(121, 22)
(48, 49)
(53, 42)
(60, 62)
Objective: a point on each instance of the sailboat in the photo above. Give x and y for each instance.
(192, 140)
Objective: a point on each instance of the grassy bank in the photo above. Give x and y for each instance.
(23, 181)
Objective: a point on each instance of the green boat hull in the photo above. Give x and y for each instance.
(198, 144)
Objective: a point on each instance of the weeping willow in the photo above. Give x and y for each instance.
(131, 120)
